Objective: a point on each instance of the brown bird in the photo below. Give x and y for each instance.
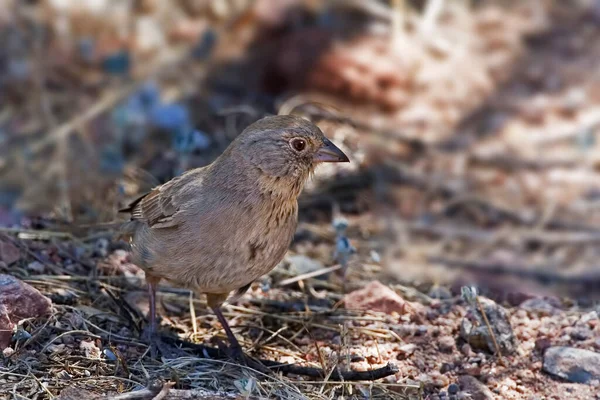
(216, 229)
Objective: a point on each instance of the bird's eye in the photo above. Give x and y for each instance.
(298, 144)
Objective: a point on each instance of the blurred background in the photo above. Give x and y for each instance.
(472, 130)
(471, 125)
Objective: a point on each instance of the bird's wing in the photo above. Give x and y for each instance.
(159, 207)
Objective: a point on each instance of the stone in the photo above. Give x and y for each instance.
(543, 343)
(581, 334)
(90, 349)
(9, 253)
(574, 365)
(446, 344)
(473, 387)
(376, 297)
(538, 305)
(453, 388)
(18, 301)
(302, 264)
(588, 317)
(474, 330)
(7, 352)
(101, 247)
(36, 267)
(407, 349)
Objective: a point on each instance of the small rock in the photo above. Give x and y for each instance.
(509, 383)
(101, 247)
(581, 334)
(574, 365)
(7, 352)
(55, 348)
(474, 330)
(453, 388)
(407, 349)
(538, 305)
(21, 334)
(109, 355)
(9, 253)
(375, 257)
(466, 350)
(36, 267)
(588, 317)
(90, 349)
(439, 380)
(18, 301)
(303, 264)
(542, 344)
(446, 367)
(446, 344)
(475, 388)
(64, 375)
(376, 297)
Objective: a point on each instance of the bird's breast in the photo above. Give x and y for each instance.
(226, 247)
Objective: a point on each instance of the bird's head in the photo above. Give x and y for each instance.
(286, 146)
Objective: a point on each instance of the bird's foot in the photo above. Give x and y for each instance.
(235, 353)
(159, 346)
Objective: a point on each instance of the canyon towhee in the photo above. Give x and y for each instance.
(216, 229)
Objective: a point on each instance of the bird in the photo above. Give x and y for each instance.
(216, 229)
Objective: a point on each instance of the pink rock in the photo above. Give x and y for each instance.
(18, 301)
(377, 297)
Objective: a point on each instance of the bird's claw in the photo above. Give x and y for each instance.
(236, 353)
(159, 346)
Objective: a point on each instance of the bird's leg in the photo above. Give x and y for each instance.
(234, 345)
(235, 349)
(152, 284)
(193, 315)
(151, 332)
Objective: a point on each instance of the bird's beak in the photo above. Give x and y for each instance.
(329, 152)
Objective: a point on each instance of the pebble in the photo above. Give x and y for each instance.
(453, 388)
(9, 253)
(446, 344)
(474, 330)
(475, 388)
(581, 334)
(407, 349)
(36, 267)
(7, 352)
(376, 297)
(446, 367)
(588, 317)
(90, 349)
(18, 301)
(538, 305)
(101, 247)
(302, 264)
(64, 375)
(466, 350)
(572, 364)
